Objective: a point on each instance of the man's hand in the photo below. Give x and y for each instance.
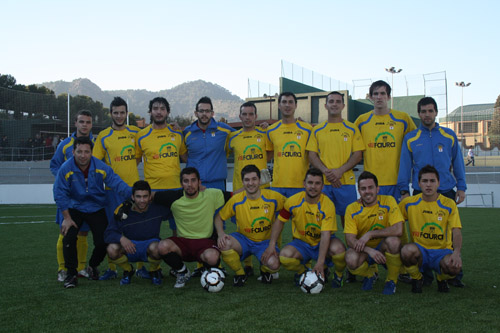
(175, 126)
(376, 255)
(455, 260)
(460, 197)
(264, 125)
(360, 243)
(67, 223)
(127, 245)
(223, 241)
(268, 253)
(319, 268)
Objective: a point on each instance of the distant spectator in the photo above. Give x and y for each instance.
(470, 157)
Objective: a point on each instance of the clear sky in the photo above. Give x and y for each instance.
(157, 45)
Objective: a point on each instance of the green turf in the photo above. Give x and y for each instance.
(32, 300)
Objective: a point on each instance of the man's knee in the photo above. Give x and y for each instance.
(153, 250)
(114, 251)
(210, 257)
(409, 254)
(352, 259)
(336, 247)
(272, 263)
(393, 245)
(165, 246)
(290, 252)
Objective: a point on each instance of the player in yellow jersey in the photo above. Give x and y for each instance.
(373, 227)
(436, 232)
(255, 210)
(289, 139)
(313, 225)
(160, 146)
(335, 147)
(383, 130)
(115, 145)
(249, 145)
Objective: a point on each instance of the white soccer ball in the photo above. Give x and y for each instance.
(212, 280)
(311, 283)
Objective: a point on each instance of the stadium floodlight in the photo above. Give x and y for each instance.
(462, 85)
(393, 71)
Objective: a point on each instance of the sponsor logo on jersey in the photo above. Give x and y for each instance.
(377, 226)
(260, 224)
(126, 154)
(430, 230)
(291, 149)
(383, 140)
(251, 152)
(311, 230)
(166, 150)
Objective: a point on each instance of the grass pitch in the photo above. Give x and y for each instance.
(32, 299)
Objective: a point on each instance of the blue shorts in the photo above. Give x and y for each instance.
(308, 251)
(391, 190)
(59, 220)
(432, 258)
(287, 192)
(341, 197)
(141, 250)
(171, 220)
(249, 247)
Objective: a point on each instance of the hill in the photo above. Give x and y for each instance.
(182, 98)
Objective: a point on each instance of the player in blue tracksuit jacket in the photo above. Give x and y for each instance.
(80, 195)
(205, 140)
(434, 145)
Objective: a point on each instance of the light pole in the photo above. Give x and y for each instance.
(393, 71)
(462, 85)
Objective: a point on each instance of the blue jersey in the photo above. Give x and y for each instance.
(437, 147)
(207, 150)
(63, 152)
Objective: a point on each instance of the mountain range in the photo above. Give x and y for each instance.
(182, 98)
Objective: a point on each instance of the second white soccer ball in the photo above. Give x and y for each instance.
(212, 280)
(311, 283)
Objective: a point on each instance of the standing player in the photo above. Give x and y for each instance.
(83, 124)
(289, 139)
(436, 231)
(134, 237)
(383, 130)
(255, 210)
(313, 225)
(206, 140)
(335, 147)
(79, 194)
(372, 229)
(116, 147)
(194, 217)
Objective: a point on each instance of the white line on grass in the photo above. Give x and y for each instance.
(15, 216)
(29, 222)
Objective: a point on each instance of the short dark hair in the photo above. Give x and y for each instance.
(86, 113)
(378, 84)
(335, 93)
(314, 172)
(141, 185)
(249, 104)
(160, 100)
(287, 93)
(367, 175)
(249, 169)
(428, 169)
(117, 101)
(190, 171)
(427, 101)
(82, 140)
(205, 100)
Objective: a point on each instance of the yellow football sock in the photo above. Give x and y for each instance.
(154, 264)
(123, 263)
(443, 276)
(199, 265)
(292, 264)
(82, 247)
(266, 269)
(393, 262)
(111, 265)
(60, 255)
(248, 262)
(139, 264)
(232, 259)
(339, 262)
(414, 272)
(364, 270)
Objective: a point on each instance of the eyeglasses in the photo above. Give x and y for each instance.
(205, 111)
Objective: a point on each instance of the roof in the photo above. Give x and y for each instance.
(472, 112)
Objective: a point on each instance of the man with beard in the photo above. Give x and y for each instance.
(115, 145)
(373, 227)
(313, 224)
(206, 140)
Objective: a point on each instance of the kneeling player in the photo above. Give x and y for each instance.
(134, 236)
(194, 217)
(373, 225)
(313, 222)
(431, 216)
(255, 210)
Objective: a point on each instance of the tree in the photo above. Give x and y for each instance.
(495, 126)
(7, 81)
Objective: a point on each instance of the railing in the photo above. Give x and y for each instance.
(26, 154)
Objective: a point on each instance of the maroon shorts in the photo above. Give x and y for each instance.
(192, 249)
